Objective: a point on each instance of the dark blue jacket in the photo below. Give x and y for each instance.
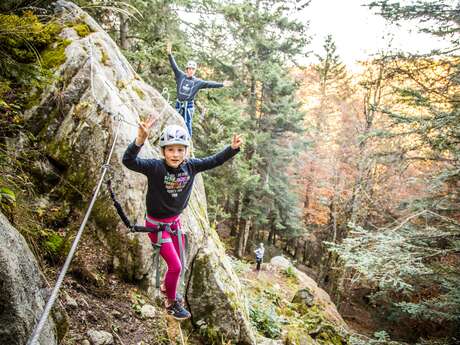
(186, 87)
(169, 188)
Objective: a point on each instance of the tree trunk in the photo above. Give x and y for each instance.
(297, 248)
(234, 227)
(305, 253)
(243, 238)
(124, 31)
(247, 229)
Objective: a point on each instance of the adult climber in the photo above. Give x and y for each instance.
(260, 251)
(187, 86)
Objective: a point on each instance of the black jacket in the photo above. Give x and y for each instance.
(169, 188)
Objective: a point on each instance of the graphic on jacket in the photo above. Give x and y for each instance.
(169, 189)
(186, 87)
(174, 184)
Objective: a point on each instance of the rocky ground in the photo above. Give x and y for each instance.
(103, 309)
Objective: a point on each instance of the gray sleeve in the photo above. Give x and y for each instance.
(208, 84)
(175, 68)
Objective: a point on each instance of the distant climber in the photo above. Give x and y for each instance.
(187, 86)
(260, 251)
(170, 182)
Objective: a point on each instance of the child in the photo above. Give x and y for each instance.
(170, 182)
(187, 86)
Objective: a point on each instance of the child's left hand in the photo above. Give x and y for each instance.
(237, 141)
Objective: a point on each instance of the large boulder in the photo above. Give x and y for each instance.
(96, 98)
(310, 294)
(216, 298)
(23, 292)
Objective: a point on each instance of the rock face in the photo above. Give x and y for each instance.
(310, 294)
(23, 292)
(218, 303)
(96, 98)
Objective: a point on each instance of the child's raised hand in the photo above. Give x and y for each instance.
(237, 141)
(144, 128)
(169, 47)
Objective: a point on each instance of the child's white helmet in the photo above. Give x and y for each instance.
(174, 134)
(191, 64)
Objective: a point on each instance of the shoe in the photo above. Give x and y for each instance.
(179, 297)
(177, 311)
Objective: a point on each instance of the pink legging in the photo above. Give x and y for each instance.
(170, 253)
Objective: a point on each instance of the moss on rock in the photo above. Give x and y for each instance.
(54, 56)
(81, 29)
(139, 92)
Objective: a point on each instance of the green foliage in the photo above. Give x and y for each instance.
(412, 262)
(265, 319)
(240, 266)
(7, 196)
(54, 56)
(30, 48)
(379, 338)
(137, 301)
(261, 104)
(52, 243)
(290, 273)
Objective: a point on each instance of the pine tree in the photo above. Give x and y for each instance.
(261, 42)
(414, 261)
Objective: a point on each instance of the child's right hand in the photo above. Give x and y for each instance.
(143, 130)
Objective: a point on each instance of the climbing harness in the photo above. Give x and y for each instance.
(33, 340)
(183, 106)
(186, 110)
(159, 228)
(177, 232)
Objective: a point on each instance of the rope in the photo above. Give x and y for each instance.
(36, 334)
(181, 335)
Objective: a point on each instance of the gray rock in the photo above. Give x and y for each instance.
(85, 342)
(22, 291)
(217, 299)
(311, 294)
(148, 311)
(100, 337)
(71, 302)
(280, 261)
(304, 296)
(267, 341)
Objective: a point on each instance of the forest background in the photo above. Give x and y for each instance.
(355, 175)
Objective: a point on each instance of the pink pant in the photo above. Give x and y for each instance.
(170, 253)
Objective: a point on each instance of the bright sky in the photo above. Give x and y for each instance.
(358, 33)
